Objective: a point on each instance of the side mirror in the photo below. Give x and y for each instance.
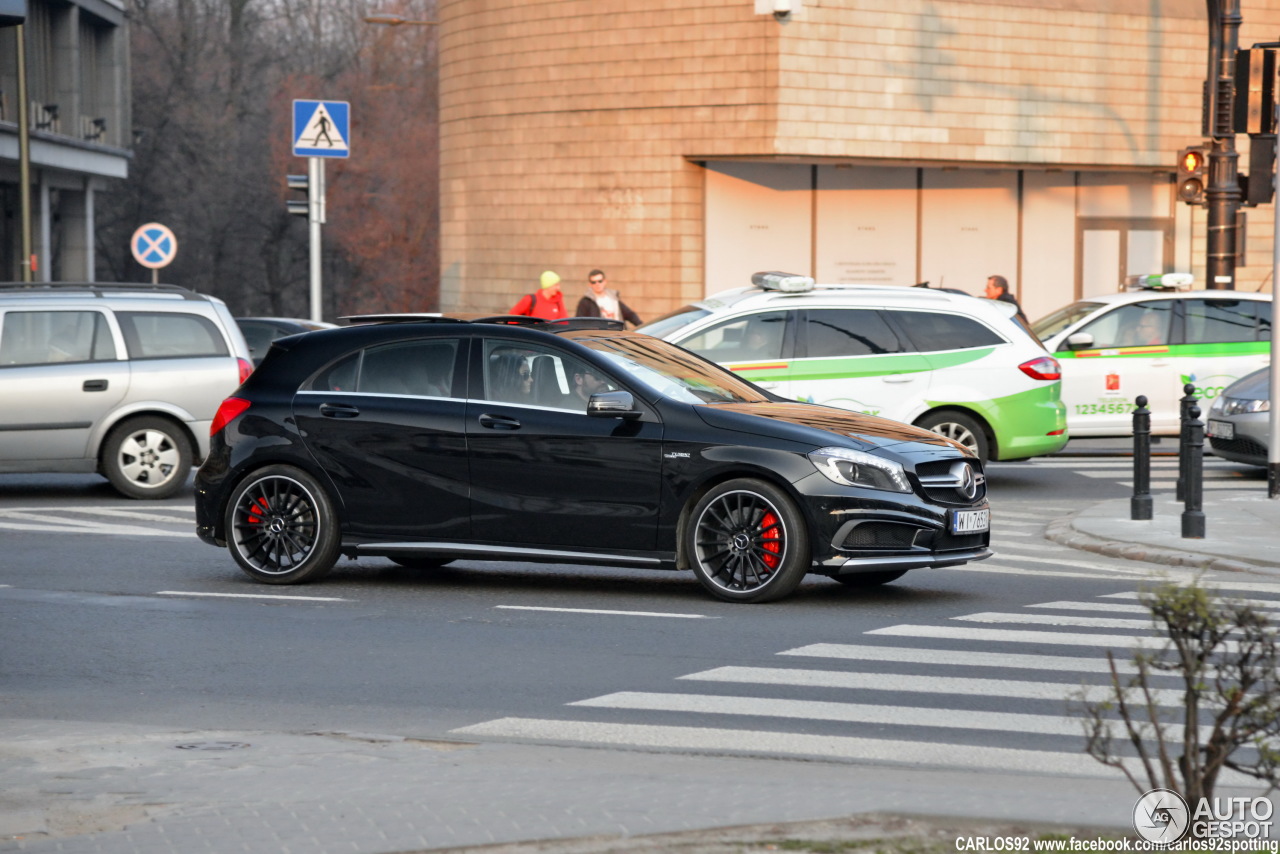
(613, 404)
(1080, 341)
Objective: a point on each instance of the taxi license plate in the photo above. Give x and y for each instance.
(1222, 430)
(970, 521)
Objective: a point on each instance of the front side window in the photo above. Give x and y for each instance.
(839, 332)
(1139, 324)
(671, 371)
(934, 331)
(418, 368)
(170, 335)
(1052, 324)
(537, 376)
(51, 337)
(749, 338)
(1226, 321)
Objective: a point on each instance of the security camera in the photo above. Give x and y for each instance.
(782, 9)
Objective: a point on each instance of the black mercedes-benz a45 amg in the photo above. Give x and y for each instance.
(427, 440)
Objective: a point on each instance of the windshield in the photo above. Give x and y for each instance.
(671, 371)
(668, 323)
(1047, 327)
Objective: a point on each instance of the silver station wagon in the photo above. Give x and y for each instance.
(118, 379)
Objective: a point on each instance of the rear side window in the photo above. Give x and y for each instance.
(836, 332)
(419, 368)
(51, 337)
(170, 335)
(1226, 321)
(932, 331)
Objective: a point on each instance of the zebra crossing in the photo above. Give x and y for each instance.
(167, 520)
(978, 691)
(1219, 474)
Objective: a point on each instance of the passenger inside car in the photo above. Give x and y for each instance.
(510, 377)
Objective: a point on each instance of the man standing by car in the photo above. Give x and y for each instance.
(547, 303)
(998, 289)
(603, 301)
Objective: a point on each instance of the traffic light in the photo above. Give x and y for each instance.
(1255, 92)
(1193, 173)
(299, 207)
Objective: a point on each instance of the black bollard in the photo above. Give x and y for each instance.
(1192, 514)
(1188, 400)
(1140, 503)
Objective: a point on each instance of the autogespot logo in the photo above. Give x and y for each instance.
(1161, 815)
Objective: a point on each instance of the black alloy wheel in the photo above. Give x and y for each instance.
(281, 527)
(747, 542)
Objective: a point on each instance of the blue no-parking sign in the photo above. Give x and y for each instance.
(153, 245)
(321, 129)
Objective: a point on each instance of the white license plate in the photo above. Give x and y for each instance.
(970, 521)
(1221, 430)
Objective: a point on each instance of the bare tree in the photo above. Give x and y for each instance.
(213, 81)
(1226, 655)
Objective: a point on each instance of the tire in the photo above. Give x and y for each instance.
(965, 429)
(747, 542)
(411, 562)
(281, 527)
(869, 579)
(148, 458)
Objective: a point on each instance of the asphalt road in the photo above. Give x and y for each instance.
(112, 614)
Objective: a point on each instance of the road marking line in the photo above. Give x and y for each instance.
(1125, 575)
(1245, 586)
(251, 596)
(87, 528)
(956, 658)
(601, 611)
(1057, 620)
(757, 742)
(971, 633)
(1260, 604)
(904, 683)
(715, 704)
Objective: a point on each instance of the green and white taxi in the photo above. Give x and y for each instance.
(1153, 341)
(949, 362)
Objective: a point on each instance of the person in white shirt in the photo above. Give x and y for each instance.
(603, 301)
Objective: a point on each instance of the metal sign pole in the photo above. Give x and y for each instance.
(1273, 421)
(315, 178)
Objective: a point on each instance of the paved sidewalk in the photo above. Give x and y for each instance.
(1242, 533)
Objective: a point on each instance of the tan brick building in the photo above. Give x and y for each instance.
(682, 144)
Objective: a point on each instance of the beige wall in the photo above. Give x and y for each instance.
(572, 131)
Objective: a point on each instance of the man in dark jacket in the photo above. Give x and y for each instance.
(602, 301)
(998, 289)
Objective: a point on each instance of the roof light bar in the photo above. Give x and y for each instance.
(1160, 281)
(789, 283)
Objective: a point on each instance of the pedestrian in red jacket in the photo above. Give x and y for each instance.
(547, 303)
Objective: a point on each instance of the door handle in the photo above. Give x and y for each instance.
(898, 378)
(499, 422)
(338, 410)
(95, 385)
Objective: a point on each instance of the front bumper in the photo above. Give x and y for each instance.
(856, 530)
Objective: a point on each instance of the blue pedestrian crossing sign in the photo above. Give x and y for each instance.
(321, 129)
(153, 245)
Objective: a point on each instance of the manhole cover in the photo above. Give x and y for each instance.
(212, 745)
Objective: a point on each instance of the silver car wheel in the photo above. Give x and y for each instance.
(149, 458)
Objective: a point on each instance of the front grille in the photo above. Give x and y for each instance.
(943, 481)
(880, 535)
(1243, 447)
(941, 541)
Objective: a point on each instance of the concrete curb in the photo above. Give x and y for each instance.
(1064, 532)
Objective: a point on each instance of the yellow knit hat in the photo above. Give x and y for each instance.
(550, 279)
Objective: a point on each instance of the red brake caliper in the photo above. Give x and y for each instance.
(772, 540)
(254, 518)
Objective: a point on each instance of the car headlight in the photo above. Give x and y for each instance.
(1239, 406)
(848, 467)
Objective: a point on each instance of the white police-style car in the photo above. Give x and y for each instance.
(952, 363)
(1153, 340)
